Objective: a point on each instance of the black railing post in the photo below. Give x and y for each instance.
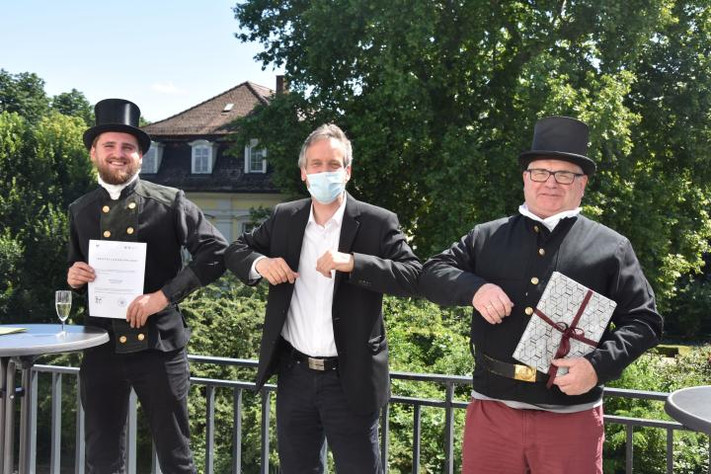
(4, 394)
(416, 433)
(670, 451)
(449, 429)
(385, 438)
(80, 451)
(237, 431)
(31, 399)
(210, 429)
(266, 407)
(29, 380)
(132, 432)
(629, 449)
(55, 460)
(7, 461)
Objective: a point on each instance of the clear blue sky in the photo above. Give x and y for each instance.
(164, 55)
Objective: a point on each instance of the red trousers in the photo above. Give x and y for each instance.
(503, 440)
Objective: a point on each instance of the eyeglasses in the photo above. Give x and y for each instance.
(541, 175)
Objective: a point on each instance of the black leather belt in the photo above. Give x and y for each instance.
(320, 364)
(520, 372)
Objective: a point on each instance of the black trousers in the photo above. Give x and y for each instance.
(312, 408)
(161, 381)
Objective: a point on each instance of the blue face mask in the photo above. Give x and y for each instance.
(327, 186)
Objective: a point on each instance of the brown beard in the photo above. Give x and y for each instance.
(117, 177)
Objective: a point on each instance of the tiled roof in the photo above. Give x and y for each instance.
(214, 116)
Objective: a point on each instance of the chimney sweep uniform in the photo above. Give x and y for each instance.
(151, 359)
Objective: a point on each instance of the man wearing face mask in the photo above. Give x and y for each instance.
(328, 260)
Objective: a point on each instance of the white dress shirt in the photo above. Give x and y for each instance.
(309, 322)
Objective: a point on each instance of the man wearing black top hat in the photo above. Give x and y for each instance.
(514, 422)
(146, 351)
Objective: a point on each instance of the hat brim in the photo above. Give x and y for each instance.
(587, 165)
(144, 141)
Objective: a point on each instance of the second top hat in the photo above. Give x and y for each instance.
(117, 115)
(560, 138)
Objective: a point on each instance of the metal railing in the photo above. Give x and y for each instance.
(448, 404)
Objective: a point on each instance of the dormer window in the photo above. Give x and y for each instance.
(152, 158)
(203, 156)
(255, 159)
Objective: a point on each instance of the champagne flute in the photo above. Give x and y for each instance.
(63, 305)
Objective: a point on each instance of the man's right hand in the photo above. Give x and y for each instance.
(492, 303)
(80, 274)
(275, 270)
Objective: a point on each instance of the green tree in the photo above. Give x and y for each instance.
(74, 104)
(23, 93)
(43, 168)
(440, 97)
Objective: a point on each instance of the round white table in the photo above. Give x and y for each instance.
(22, 349)
(691, 407)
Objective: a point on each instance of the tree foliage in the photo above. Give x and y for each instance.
(440, 97)
(43, 167)
(23, 93)
(74, 104)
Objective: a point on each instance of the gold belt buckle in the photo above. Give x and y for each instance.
(316, 364)
(524, 373)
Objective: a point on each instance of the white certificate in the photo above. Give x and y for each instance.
(120, 270)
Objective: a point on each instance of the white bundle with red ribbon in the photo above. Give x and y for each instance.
(568, 322)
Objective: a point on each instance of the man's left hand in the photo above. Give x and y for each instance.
(581, 376)
(330, 260)
(145, 306)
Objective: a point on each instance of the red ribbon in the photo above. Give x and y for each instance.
(568, 332)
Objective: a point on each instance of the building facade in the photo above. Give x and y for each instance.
(195, 151)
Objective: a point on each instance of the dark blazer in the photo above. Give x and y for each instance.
(383, 263)
(168, 222)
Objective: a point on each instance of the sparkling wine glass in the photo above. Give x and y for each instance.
(63, 304)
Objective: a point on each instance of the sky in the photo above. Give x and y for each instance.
(166, 56)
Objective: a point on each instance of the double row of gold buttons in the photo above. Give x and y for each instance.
(129, 230)
(124, 339)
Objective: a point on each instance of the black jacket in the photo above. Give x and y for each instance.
(168, 222)
(384, 263)
(519, 255)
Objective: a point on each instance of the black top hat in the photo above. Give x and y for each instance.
(560, 138)
(117, 115)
